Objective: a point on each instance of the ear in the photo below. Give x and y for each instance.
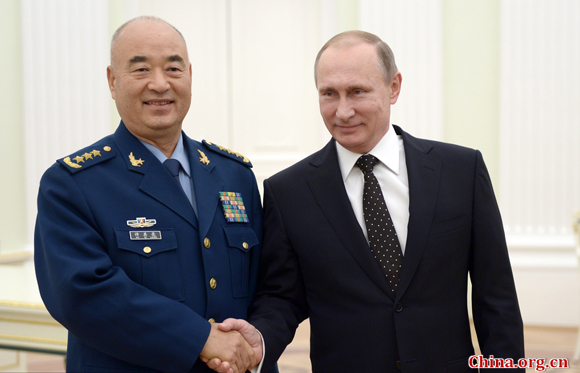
(111, 79)
(395, 86)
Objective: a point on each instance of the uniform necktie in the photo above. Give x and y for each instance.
(382, 237)
(173, 167)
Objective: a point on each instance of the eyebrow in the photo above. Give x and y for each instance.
(324, 88)
(138, 59)
(348, 88)
(175, 58)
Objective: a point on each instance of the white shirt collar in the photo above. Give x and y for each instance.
(387, 151)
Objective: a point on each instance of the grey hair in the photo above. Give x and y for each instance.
(385, 55)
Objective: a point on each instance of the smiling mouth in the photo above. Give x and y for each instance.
(348, 127)
(158, 103)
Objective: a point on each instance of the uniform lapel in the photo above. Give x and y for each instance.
(205, 184)
(424, 173)
(156, 182)
(327, 186)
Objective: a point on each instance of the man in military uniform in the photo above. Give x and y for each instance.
(138, 257)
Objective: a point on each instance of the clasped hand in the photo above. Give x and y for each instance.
(233, 346)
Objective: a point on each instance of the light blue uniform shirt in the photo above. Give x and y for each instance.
(184, 172)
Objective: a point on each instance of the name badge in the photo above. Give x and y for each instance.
(145, 235)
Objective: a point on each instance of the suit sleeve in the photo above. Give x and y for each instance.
(280, 303)
(496, 311)
(94, 299)
(256, 220)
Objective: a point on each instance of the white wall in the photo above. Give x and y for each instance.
(540, 133)
(65, 55)
(413, 29)
(254, 92)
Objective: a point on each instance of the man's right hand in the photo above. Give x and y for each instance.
(230, 347)
(249, 332)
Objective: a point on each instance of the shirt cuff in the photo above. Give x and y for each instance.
(258, 368)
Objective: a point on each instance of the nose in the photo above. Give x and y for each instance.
(158, 82)
(344, 111)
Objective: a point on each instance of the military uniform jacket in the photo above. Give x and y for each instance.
(124, 264)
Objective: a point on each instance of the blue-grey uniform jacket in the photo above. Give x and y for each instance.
(125, 265)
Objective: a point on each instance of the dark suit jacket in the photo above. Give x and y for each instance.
(135, 304)
(316, 264)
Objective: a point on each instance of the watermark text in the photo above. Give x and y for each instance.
(539, 364)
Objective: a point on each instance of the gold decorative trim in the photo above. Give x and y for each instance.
(24, 254)
(22, 321)
(33, 339)
(203, 159)
(134, 161)
(71, 164)
(10, 303)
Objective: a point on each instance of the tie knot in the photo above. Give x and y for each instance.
(366, 162)
(172, 166)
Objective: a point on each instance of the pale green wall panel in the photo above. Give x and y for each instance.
(347, 15)
(471, 65)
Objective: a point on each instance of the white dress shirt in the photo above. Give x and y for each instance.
(391, 172)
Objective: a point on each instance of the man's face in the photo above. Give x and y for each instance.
(355, 101)
(150, 79)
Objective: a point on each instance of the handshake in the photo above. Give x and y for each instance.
(233, 346)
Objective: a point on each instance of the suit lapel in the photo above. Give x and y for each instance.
(156, 182)
(424, 173)
(327, 186)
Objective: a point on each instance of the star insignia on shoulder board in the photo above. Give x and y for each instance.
(71, 163)
(86, 156)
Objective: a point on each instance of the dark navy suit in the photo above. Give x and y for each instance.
(133, 303)
(316, 264)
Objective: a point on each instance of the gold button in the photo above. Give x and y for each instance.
(212, 320)
(107, 148)
(213, 283)
(245, 245)
(146, 249)
(206, 243)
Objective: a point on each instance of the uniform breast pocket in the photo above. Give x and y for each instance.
(240, 240)
(150, 258)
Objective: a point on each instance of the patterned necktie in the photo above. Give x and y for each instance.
(382, 237)
(173, 166)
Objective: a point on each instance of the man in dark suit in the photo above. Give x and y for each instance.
(385, 287)
(137, 260)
